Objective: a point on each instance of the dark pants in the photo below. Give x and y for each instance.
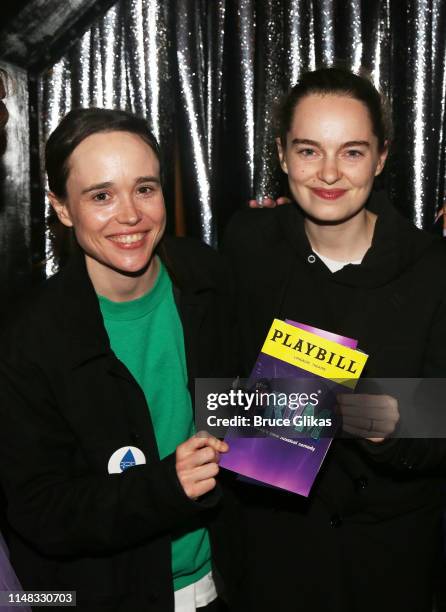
(215, 606)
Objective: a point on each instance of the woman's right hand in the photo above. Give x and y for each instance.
(197, 463)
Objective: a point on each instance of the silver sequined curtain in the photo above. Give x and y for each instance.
(221, 64)
(15, 215)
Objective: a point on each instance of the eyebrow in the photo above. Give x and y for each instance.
(105, 185)
(314, 143)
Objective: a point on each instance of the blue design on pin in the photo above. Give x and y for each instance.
(127, 461)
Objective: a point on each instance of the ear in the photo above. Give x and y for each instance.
(382, 156)
(61, 210)
(282, 156)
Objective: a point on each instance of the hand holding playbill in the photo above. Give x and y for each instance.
(197, 463)
(368, 416)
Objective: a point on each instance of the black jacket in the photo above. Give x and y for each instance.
(66, 404)
(368, 536)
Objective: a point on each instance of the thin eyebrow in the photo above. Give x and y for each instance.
(147, 179)
(97, 186)
(140, 179)
(306, 141)
(314, 143)
(356, 143)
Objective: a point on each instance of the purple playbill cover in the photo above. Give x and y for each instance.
(350, 342)
(285, 462)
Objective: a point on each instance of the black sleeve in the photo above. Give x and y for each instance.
(62, 510)
(423, 455)
(419, 456)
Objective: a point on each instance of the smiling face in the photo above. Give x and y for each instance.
(115, 205)
(331, 157)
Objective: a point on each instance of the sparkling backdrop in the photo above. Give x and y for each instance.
(207, 75)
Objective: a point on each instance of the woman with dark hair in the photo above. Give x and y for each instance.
(110, 493)
(342, 259)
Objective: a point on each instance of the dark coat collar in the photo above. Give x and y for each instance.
(76, 312)
(75, 308)
(396, 245)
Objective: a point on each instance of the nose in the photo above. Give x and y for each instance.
(329, 171)
(128, 213)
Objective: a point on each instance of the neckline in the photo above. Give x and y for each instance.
(140, 307)
(334, 265)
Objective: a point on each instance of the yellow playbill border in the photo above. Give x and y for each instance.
(314, 353)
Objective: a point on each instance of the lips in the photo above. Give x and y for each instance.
(329, 194)
(128, 241)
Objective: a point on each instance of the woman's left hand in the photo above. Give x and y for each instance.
(373, 417)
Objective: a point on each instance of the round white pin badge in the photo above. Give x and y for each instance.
(125, 457)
